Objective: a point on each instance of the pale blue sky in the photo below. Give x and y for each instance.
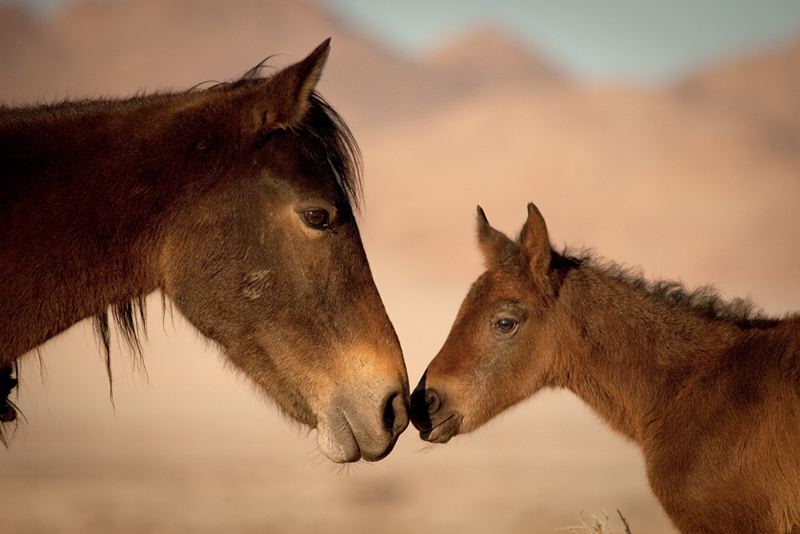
(644, 39)
(631, 39)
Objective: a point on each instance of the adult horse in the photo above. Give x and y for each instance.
(237, 203)
(708, 390)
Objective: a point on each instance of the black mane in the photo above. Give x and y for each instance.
(321, 122)
(704, 301)
(341, 150)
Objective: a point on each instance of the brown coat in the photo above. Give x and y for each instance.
(707, 389)
(237, 203)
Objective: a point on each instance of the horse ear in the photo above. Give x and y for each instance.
(534, 241)
(289, 91)
(494, 244)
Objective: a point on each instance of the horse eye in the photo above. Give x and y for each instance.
(506, 325)
(317, 218)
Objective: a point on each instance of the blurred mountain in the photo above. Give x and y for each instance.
(93, 48)
(16, 25)
(21, 42)
(762, 87)
(485, 57)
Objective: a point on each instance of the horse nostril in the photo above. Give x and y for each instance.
(395, 418)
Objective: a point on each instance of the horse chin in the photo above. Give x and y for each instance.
(344, 440)
(336, 440)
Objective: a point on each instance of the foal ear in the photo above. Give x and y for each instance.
(494, 244)
(534, 241)
(289, 91)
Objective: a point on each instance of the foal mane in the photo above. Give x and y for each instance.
(704, 301)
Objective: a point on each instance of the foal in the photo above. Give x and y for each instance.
(709, 392)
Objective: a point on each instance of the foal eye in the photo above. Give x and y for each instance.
(506, 325)
(317, 218)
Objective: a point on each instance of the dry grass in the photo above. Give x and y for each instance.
(598, 524)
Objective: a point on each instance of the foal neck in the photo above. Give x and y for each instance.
(626, 353)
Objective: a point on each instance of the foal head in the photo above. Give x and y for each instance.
(498, 350)
(264, 257)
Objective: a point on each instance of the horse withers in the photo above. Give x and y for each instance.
(237, 203)
(709, 390)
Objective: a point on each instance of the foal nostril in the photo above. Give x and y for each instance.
(432, 400)
(395, 417)
(424, 403)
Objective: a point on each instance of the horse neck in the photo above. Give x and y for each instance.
(625, 353)
(85, 193)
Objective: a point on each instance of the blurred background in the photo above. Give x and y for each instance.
(661, 134)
